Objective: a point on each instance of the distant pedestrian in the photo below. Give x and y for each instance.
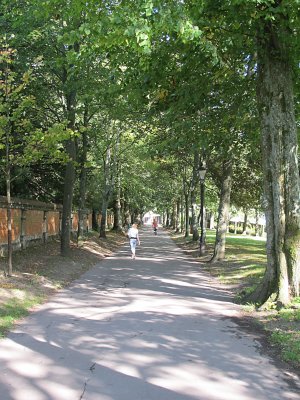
(134, 240)
(154, 226)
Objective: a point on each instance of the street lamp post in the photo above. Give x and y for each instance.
(202, 173)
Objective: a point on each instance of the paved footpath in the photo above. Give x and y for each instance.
(154, 328)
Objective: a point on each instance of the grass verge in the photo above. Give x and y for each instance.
(14, 309)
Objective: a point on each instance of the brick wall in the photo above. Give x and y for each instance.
(53, 223)
(16, 225)
(35, 221)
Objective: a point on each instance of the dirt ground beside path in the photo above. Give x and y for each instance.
(40, 270)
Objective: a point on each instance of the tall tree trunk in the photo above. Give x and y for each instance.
(245, 222)
(256, 223)
(195, 180)
(280, 164)
(181, 215)
(202, 239)
(127, 219)
(177, 215)
(168, 219)
(174, 210)
(69, 179)
(82, 188)
(8, 131)
(9, 229)
(117, 207)
(8, 210)
(223, 216)
(95, 224)
(187, 215)
(107, 188)
(110, 173)
(82, 178)
(103, 218)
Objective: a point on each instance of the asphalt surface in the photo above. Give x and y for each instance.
(154, 328)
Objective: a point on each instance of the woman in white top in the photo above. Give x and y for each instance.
(133, 235)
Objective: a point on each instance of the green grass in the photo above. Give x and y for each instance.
(245, 260)
(15, 309)
(289, 314)
(289, 343)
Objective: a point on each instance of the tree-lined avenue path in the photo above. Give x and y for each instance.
(154, 328)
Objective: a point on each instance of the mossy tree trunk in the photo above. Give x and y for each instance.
(223, 213)
(281, 174)
(195, 180)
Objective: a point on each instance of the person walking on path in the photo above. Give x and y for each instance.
(154, 226)
(134, 240)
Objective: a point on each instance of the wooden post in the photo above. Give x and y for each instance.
(22, 229)
(45, 227)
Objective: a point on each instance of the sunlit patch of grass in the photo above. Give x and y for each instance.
(290, 314)
(249, 307)
(289, 343)
(247, 274)
(15, 309)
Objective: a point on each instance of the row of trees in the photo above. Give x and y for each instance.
(118, 105)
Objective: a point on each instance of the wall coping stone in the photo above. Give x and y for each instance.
(29, 204)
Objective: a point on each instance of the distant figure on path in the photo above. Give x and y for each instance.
(154, 226)
(133, 235)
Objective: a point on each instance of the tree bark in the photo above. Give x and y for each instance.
(95, 224)
(111, 164)
(8, 210)
(223, 216)
(83, 177)
(202, 238)
(167, 218)
(245, 222)
(174, 211)
(107, 188)
(280, 164)
(103, 219)
(68, 199)
(117, 207)
(8, 131)
(195, 180)
(181, 215)
(177, 215)
(69, 179)
(187, 215)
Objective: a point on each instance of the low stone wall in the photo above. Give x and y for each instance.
(34, 221)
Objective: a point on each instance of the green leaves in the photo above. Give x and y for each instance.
(188, 32)
(47, 145)
(179, 73)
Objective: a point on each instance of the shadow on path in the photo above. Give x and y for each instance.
(151, 328)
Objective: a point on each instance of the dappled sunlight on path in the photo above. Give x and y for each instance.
(151, 328)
